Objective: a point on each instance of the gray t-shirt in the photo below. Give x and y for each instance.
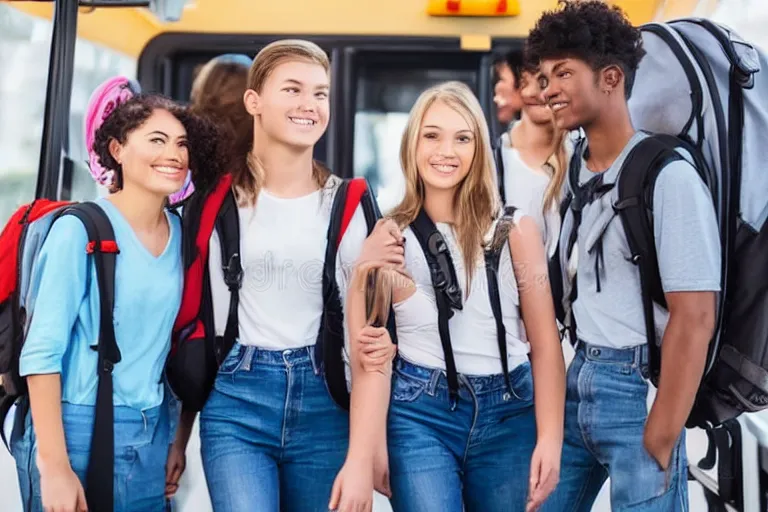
(687, 247)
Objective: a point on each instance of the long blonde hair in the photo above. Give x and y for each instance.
(557, 165)
(248, 175)
(476, 202)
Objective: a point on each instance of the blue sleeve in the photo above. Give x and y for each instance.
(686, 231)
(59, 281)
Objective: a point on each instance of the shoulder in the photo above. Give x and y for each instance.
(679, 183)
(524, 229)
(66, 230)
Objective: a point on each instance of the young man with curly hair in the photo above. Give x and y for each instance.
(588, 53)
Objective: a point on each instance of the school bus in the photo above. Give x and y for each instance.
(383, 54)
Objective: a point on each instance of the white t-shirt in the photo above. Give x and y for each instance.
(524, 188)
(473, 329)
(283, 244)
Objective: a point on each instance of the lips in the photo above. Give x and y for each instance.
(558, 106)
(445, 168)
(303, 121)
(167, 170)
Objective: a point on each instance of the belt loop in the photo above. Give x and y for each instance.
(312, 358)
(248, 361)
(434, 379)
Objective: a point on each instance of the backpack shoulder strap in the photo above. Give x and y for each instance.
(103, 247)
(492, 259)
(636, 181)
(446, 287)
(199, 219)
(498, 155)
(227, 227)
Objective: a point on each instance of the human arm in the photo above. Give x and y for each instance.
(688, 251)
(59, 282)
(177, 459)
(548, 366)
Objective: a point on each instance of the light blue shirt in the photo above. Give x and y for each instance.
(65, 321)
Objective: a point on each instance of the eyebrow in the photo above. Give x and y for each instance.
(559, 65)
(439, 128)
(296, 82)
(158, 132)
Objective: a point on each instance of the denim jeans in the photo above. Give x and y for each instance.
(272, 439)
(605, 415)
(478, 455)
(141, 451)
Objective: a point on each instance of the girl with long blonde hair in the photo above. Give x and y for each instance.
(467, 429)
(272, 436)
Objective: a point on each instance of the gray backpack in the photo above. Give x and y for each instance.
(702, 84)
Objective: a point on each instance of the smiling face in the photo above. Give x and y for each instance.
(506, 95)
(292, 106)
(573, 92)
(445, 148)
(154, 156)
(534, 105)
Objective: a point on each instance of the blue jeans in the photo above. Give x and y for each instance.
(141, 451)
(605, 414)
(272, 438)
(478, 455)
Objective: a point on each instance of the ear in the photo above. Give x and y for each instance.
(612, 79)
(252, 102)
(116, 150)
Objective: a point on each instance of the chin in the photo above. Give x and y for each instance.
(442, 182)
(164, 189)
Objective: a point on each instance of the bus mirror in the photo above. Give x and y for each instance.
(167, 10)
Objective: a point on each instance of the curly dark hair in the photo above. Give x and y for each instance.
(202, 137)
(589, 30)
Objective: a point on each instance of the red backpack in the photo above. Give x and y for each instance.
(20, 243)
(196, 352)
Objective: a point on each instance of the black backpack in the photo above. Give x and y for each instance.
(448, 294)
(196, 352)
(21, 241)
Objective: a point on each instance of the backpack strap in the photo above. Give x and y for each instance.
(492, 259)
(227, 226)
(498, 155)
(635, 208)
(199, 220)
(573, 202)
(103, 248)
(447, 290)
(330, 341)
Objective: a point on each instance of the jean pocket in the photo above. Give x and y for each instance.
(521, 380)
(406, 388)
(233, 361)
(654, 484)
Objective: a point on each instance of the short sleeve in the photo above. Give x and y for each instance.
(59, 283)
(686, 231)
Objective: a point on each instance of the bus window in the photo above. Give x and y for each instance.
(387, 86)
(94, 64)
(27, 39)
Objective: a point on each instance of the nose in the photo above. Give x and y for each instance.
(550, 91)
(308, 102)
(174, 153)
(445, 149)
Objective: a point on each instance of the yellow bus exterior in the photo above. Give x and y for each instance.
(129, 29)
